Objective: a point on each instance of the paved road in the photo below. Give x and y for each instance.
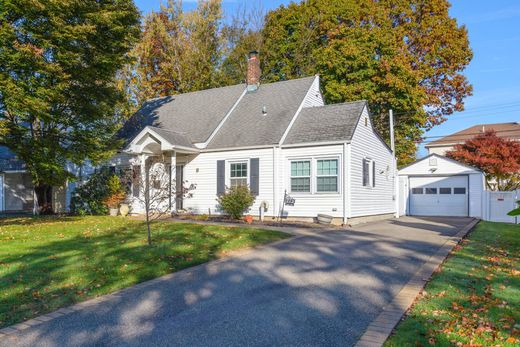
(319, 290)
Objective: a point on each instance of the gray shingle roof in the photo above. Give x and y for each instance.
(196, 114)
(174, 137)
(247, 126)
(326, 123)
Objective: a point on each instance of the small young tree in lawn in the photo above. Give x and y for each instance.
(155, 191)
(497, 157)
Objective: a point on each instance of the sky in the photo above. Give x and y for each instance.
(494, 72)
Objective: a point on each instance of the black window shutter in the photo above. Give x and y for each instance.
(254, 174)
(221, 177)
(365, 181)
(136, 180)
(373, 174)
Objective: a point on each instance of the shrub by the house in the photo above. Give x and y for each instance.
(91, 197)
(116, 193)
(236, 201)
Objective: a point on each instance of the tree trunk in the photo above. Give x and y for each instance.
(148, 227)
(43, 194)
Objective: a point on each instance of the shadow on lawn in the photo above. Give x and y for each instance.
(315, 290)
(27, 219)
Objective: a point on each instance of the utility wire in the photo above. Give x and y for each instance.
(469, 134)
(479, 109)
(462, 137)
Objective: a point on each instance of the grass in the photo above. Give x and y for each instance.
(475, 299)
(48, 263)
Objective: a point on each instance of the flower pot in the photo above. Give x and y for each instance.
(248, 219)
(124, 209)
(113, 211)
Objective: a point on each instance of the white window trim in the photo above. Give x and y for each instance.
(337, 191)
(371, 178)
(314, 170)
(291, 176)
(228, 170)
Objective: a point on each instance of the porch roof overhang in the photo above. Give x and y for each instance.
(154, 141)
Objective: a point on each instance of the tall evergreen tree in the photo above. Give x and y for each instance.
(58, 97)
(408, 55)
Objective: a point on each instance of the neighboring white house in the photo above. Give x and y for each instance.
(445, 144)
(439, 186)
(276, 138)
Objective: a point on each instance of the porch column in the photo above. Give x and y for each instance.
(173, 183)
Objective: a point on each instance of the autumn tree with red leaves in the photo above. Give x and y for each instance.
(497, 157)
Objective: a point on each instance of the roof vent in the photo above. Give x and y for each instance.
(264, 111)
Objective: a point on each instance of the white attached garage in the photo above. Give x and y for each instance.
(439, 186)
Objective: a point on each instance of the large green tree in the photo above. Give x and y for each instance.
(405, 55)
(58, 98)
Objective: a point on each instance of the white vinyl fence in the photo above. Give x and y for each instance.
(498, 204)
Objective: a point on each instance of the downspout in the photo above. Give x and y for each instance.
(346, 186)
(275, 181)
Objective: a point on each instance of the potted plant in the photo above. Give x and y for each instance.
(116, 195)
(249, 219)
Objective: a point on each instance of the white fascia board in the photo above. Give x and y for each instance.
(228, 149)
(134, 148)
(314, 144)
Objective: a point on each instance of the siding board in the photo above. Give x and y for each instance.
(366, 200)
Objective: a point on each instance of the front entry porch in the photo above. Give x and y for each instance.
(158, 183)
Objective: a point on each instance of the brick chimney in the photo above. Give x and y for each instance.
(253, 71)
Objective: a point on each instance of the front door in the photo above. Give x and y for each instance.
(179, 187)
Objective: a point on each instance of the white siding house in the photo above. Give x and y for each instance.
(278, 139)
(283, 139)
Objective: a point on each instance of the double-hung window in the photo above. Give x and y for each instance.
(326, 175)
(301, 176)
(369, 173)
(238, 174)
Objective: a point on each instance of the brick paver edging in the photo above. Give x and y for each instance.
(380, 329)
(13, 330)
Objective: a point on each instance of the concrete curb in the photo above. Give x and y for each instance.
(380, 329)
(13, 330)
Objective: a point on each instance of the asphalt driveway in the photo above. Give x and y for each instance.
(317, 290)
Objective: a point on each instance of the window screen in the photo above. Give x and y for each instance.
(327, 175)
(301, 176)
(238, 174)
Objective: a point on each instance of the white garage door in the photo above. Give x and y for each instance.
(439, 196)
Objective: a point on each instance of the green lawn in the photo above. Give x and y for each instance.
(475, 299)
(48, 263)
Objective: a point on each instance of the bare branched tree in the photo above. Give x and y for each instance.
(155, 190)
